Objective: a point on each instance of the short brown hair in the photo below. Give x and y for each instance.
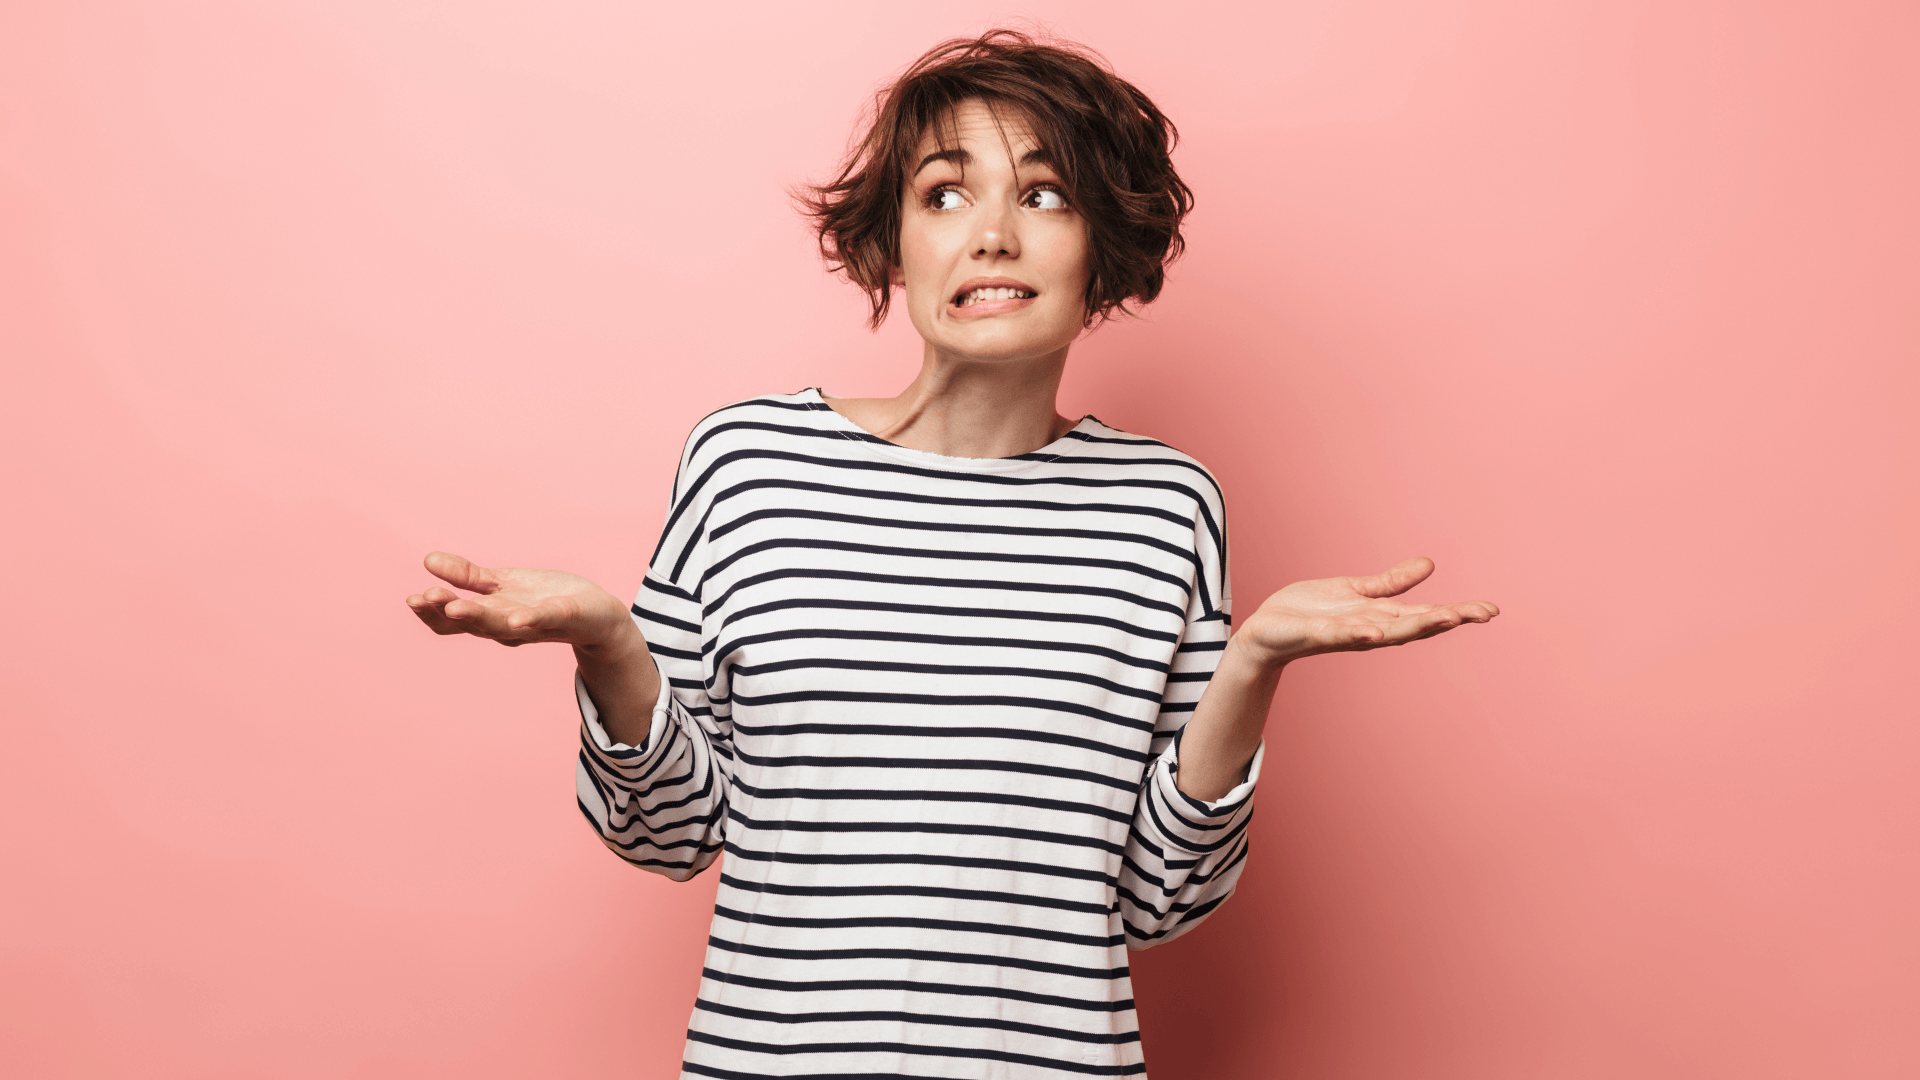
(1110, 145)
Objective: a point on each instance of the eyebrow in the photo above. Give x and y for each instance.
(1036, 156)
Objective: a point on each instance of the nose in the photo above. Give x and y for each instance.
(997, 232)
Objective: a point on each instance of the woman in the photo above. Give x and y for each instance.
(947, 675)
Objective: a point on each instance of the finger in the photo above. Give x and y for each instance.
(1366, 637)
(1478, 611)
(422, 604)
(1347, 634)
(434, 597)
(510, 624)
(438, 622)
(461, 573)
(1401, 577)
(1425, 625)
(485, 620)
(550, 614)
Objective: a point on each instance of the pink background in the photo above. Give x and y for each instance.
(1610, 306)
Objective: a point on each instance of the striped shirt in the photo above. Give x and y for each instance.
(930, 709)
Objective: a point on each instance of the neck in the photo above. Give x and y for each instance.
(963, 408)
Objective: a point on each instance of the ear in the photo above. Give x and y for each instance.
(897, 277)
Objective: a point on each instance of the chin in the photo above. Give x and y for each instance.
(1006, 350)
(1006, 342)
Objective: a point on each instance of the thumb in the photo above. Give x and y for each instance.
(460, 573)
(1403, 576)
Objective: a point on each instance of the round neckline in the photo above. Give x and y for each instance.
(854, 433)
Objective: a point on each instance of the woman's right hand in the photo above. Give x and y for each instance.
(513, 606)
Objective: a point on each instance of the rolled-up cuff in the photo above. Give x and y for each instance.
(618, 758)
(1194, 825)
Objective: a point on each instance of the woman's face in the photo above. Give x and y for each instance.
(993, 260)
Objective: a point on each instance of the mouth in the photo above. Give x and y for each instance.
(983, 296)
(968, 299)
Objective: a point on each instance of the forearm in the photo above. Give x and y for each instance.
(1227, 724)
(625, 685)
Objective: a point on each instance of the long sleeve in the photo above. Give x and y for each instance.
(662, 806)
(1183, 856)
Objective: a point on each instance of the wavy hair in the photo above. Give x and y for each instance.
(1111, 146)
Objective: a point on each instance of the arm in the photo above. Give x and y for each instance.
(648, 777)
(659, 800)
(1189, 840)
(1328, 615)
(1183, 855)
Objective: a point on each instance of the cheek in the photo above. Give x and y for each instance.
(919, 257)
(1075, 269)
(1070, 258)
(1068, 254)
(1082, 253)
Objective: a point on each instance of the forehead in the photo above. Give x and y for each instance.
(979, 126)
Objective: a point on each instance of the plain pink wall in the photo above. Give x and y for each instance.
(1610, 306)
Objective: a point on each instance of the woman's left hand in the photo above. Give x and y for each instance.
(1348, 614)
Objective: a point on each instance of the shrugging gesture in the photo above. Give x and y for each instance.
(517, 606)
(912, 653)
(1339, 614)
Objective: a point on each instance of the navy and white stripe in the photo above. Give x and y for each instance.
(930, 709)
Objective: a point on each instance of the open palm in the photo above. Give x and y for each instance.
(515, 606)
(1344, 614)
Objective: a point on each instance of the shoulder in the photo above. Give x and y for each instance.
(756, 421)
(1173, 475)
(797, 408)
(1096, 442)
(754, 434)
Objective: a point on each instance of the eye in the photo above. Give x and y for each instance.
(945, 198)
(1046, 198)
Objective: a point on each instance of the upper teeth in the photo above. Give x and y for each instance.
(993, 294)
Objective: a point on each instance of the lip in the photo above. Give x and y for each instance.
(985, 308)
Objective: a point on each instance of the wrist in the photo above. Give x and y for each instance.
(623, 646)
(1245, 654)
(624, 681)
